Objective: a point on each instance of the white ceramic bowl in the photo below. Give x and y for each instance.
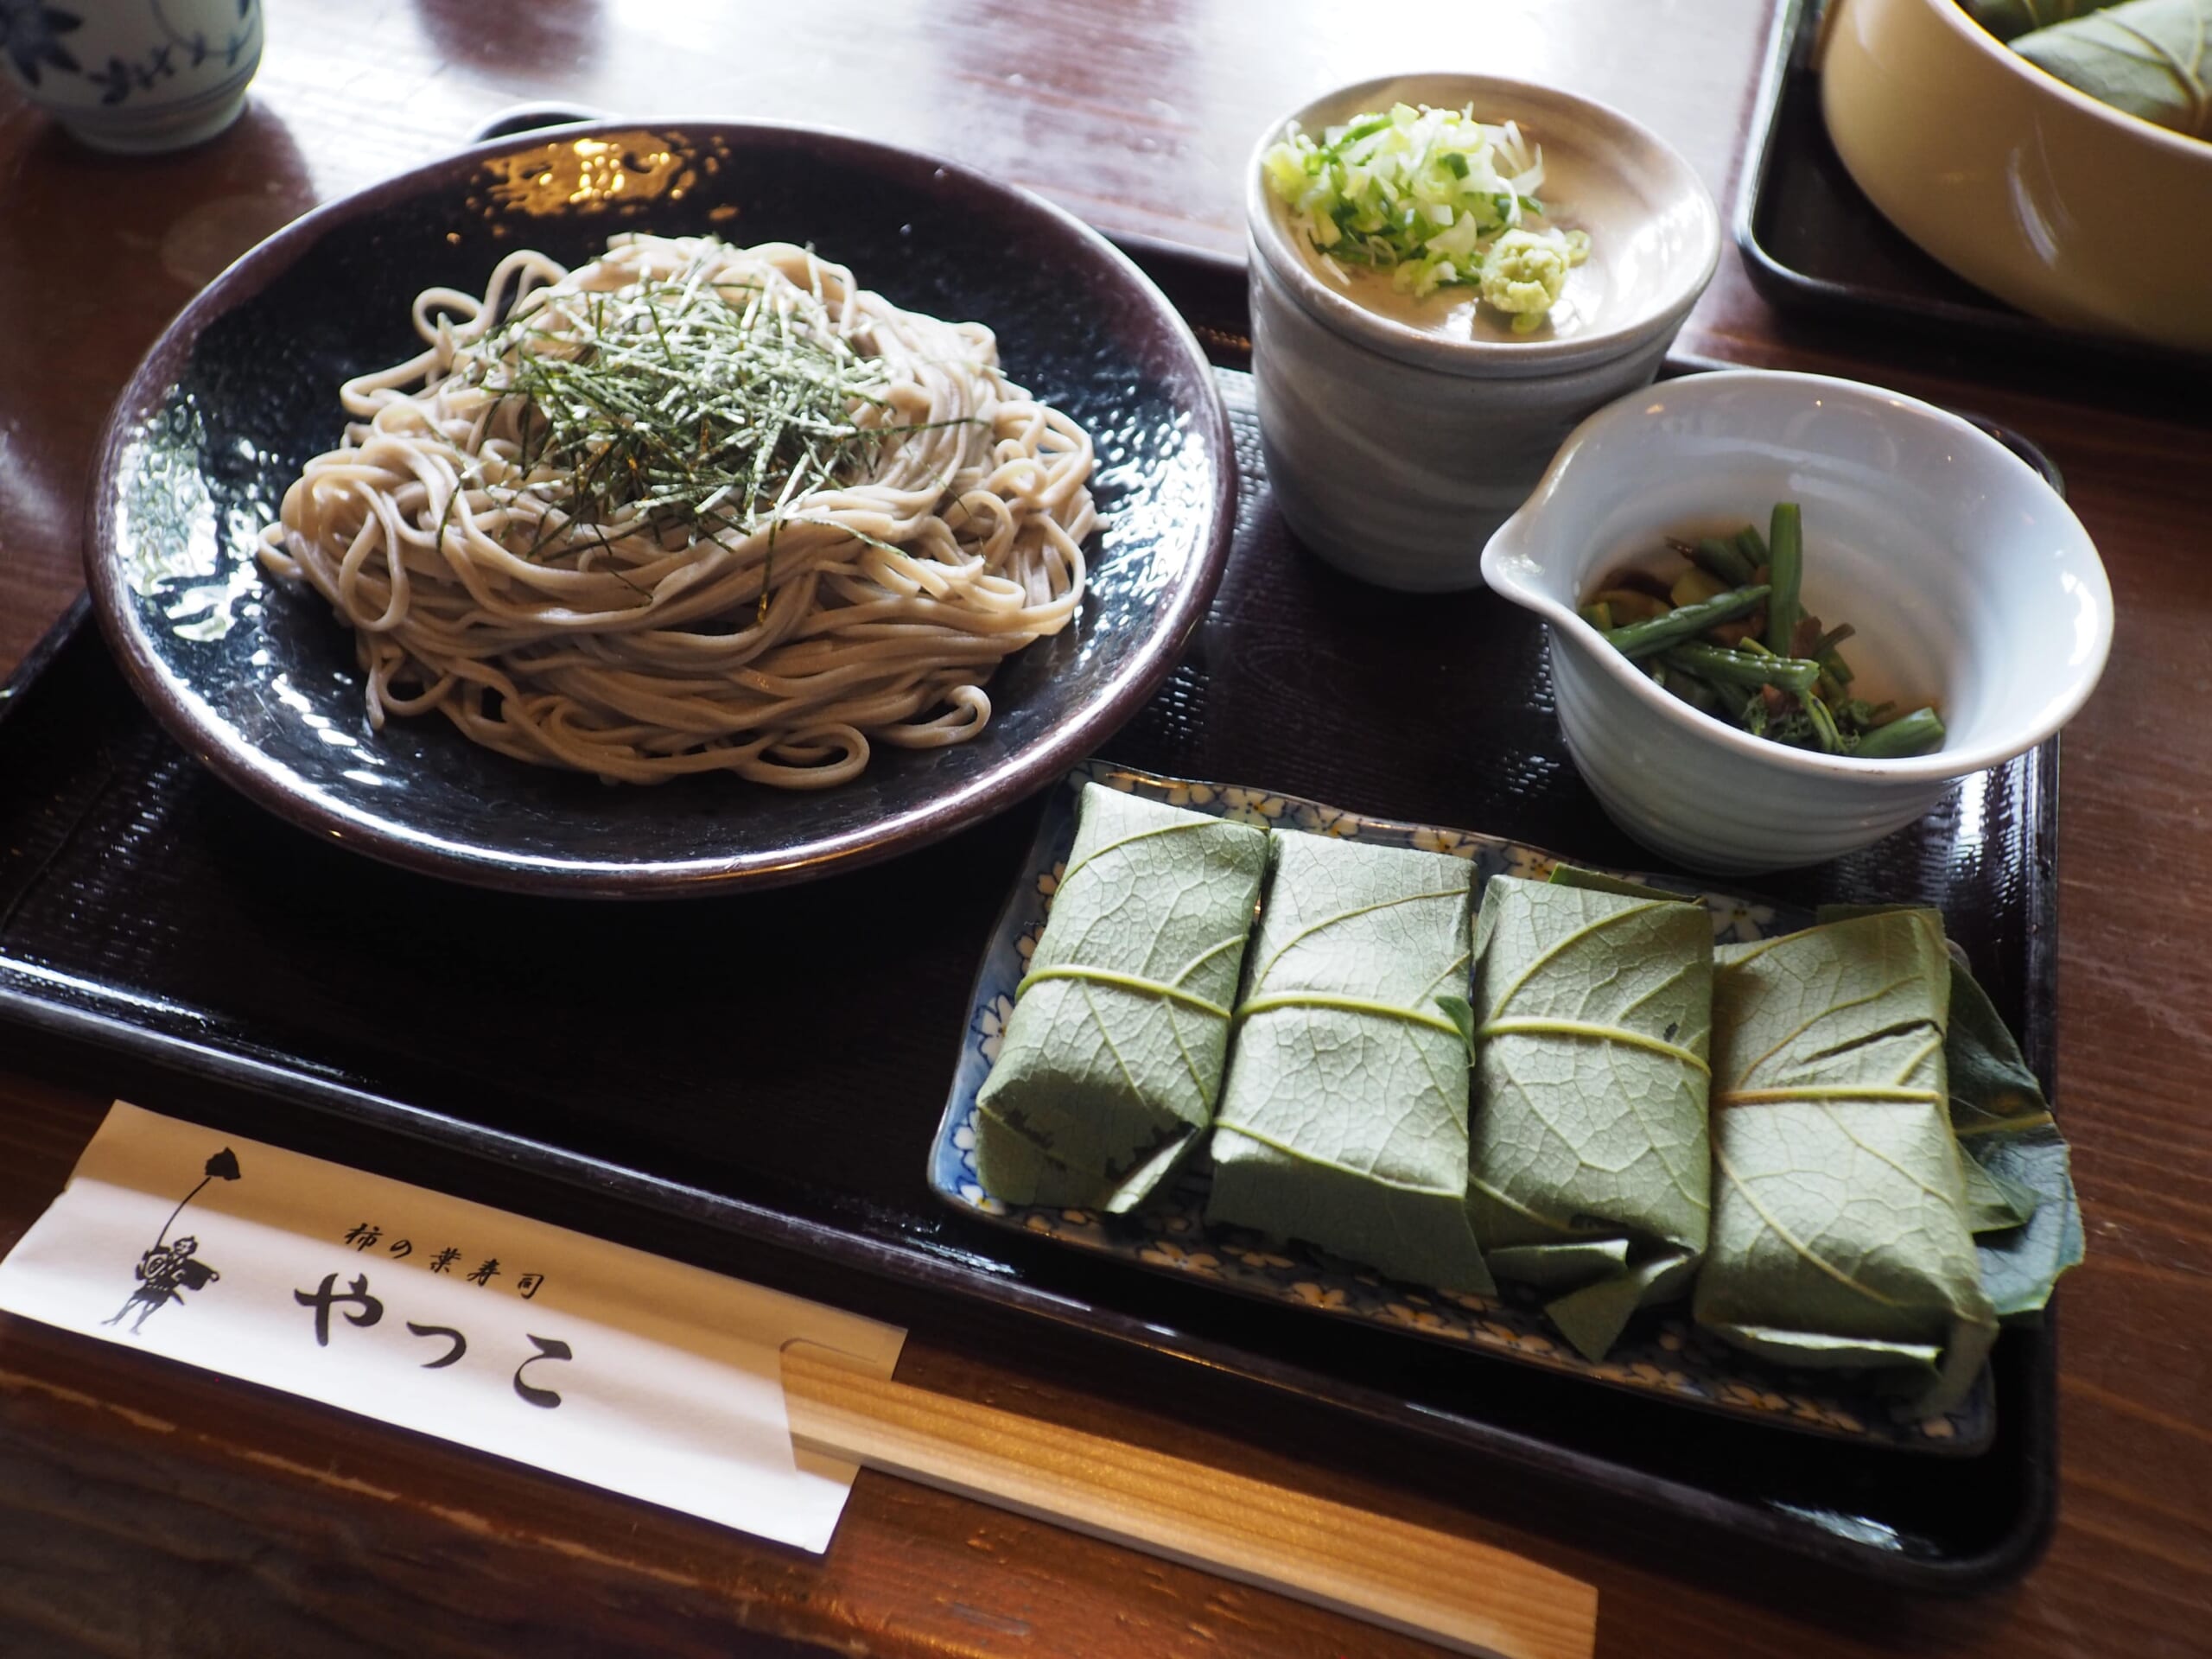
(1970, 583)
(1394, 449)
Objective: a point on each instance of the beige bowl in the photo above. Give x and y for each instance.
(2069, 209)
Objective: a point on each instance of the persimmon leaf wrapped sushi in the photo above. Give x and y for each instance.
(1344, 1120)
(1590, 1167)
(1841, 1229)
(1111, 1062)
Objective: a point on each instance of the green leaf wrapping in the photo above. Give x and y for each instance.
(2004, 1126)
(1591, 1171)
(1343, 1121)
(2150, 58)
(2026, 1219)
(2006, 18)
(1111, 1064)
(1570, 875)
(1839, 1225)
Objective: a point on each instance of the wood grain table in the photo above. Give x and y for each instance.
(146, 1510)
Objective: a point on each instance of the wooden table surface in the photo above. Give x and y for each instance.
(144, 1510)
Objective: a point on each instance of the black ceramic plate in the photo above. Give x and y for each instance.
(258, 682)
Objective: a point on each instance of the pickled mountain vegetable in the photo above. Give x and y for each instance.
(1729, 635)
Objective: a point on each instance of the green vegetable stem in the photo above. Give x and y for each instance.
(1724, 559)
(1690, 688)
(1674, 627)
(1785, 574)
(1920, 732)
(1719, 666)
(1824, 727)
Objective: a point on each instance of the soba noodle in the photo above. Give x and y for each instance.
(853, 582)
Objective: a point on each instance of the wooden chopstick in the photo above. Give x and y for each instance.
(1469, 1596)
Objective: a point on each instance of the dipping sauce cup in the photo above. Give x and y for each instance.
(1400, 432)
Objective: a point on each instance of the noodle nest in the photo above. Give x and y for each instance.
(692, 507)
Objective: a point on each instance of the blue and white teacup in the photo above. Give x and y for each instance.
(134, 75)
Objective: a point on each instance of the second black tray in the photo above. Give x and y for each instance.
(763, 1071)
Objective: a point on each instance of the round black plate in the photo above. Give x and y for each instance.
(241, 389)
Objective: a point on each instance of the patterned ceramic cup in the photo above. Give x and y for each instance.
(134, 75)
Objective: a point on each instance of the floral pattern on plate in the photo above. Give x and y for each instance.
(1663, 1353)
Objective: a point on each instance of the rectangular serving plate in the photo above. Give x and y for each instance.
(1662, 1354)
(744, 1082)
(1812, 244)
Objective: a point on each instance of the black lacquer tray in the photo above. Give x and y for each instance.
(1814, 244)
(750, 1081)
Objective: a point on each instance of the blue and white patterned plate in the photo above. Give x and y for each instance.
(1663, 1353)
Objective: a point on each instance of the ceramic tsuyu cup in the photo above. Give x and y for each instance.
(1397, 438)
(134, 76)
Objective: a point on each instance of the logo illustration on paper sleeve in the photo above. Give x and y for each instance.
(173, 1266)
